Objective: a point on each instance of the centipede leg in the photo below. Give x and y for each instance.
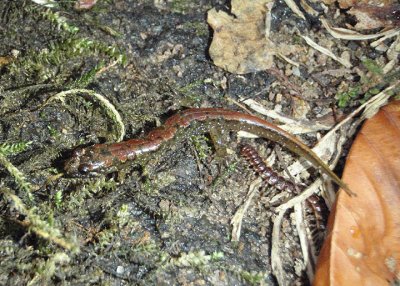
(312, 204)
(267, 174)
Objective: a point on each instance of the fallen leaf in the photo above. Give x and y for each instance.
(5, 60)
(84, 4)
(363, 242)
(371, 14)
(239, 44)
(373, 17)
(345, 4)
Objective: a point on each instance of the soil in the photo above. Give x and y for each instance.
(164, 220)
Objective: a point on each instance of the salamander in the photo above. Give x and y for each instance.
(99, 158)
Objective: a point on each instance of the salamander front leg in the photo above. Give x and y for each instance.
(220, 139)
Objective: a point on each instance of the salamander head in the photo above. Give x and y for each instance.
(84, 162)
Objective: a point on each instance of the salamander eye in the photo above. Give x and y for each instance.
(84, 169)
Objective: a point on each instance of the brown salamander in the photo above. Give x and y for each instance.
(101, 157)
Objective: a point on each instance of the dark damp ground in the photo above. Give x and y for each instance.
(164, 220)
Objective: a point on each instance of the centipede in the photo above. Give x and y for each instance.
(315, 220)
(268, 175)
(272, 178)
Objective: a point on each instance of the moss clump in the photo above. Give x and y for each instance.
(78, 197)
(253, 278)
(372, 66)
(345, 98)
(200, 143)
(8, 149)
(182, 6)
(50, 64)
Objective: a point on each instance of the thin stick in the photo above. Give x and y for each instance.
(237, 219)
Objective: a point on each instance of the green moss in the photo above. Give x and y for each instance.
(217, 256)
(196, 259)
(149, 186)
(19, 178)
(372, 66)
(191, 97)
(44, 65)
(58, 199)
(253, 278)
(201, 29)
(46, 269)
(373, 91)
(43, 226)
(345, 98)
(106, 237)
(297, 40)
(123, 215)
(355, 95)
(54, 133)
(7, 149)
(190, 86)
(181, 6)
(200, 143)
(60, 21)
(78, 197)
(93, 22)
(60, 60)
(86, 78)
(370, 84)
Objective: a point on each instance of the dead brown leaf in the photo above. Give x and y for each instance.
(5, 60)
(371, 14)
(363, 243)
(365, 20)
(368, 17)
(239, 43)
(345, 4)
